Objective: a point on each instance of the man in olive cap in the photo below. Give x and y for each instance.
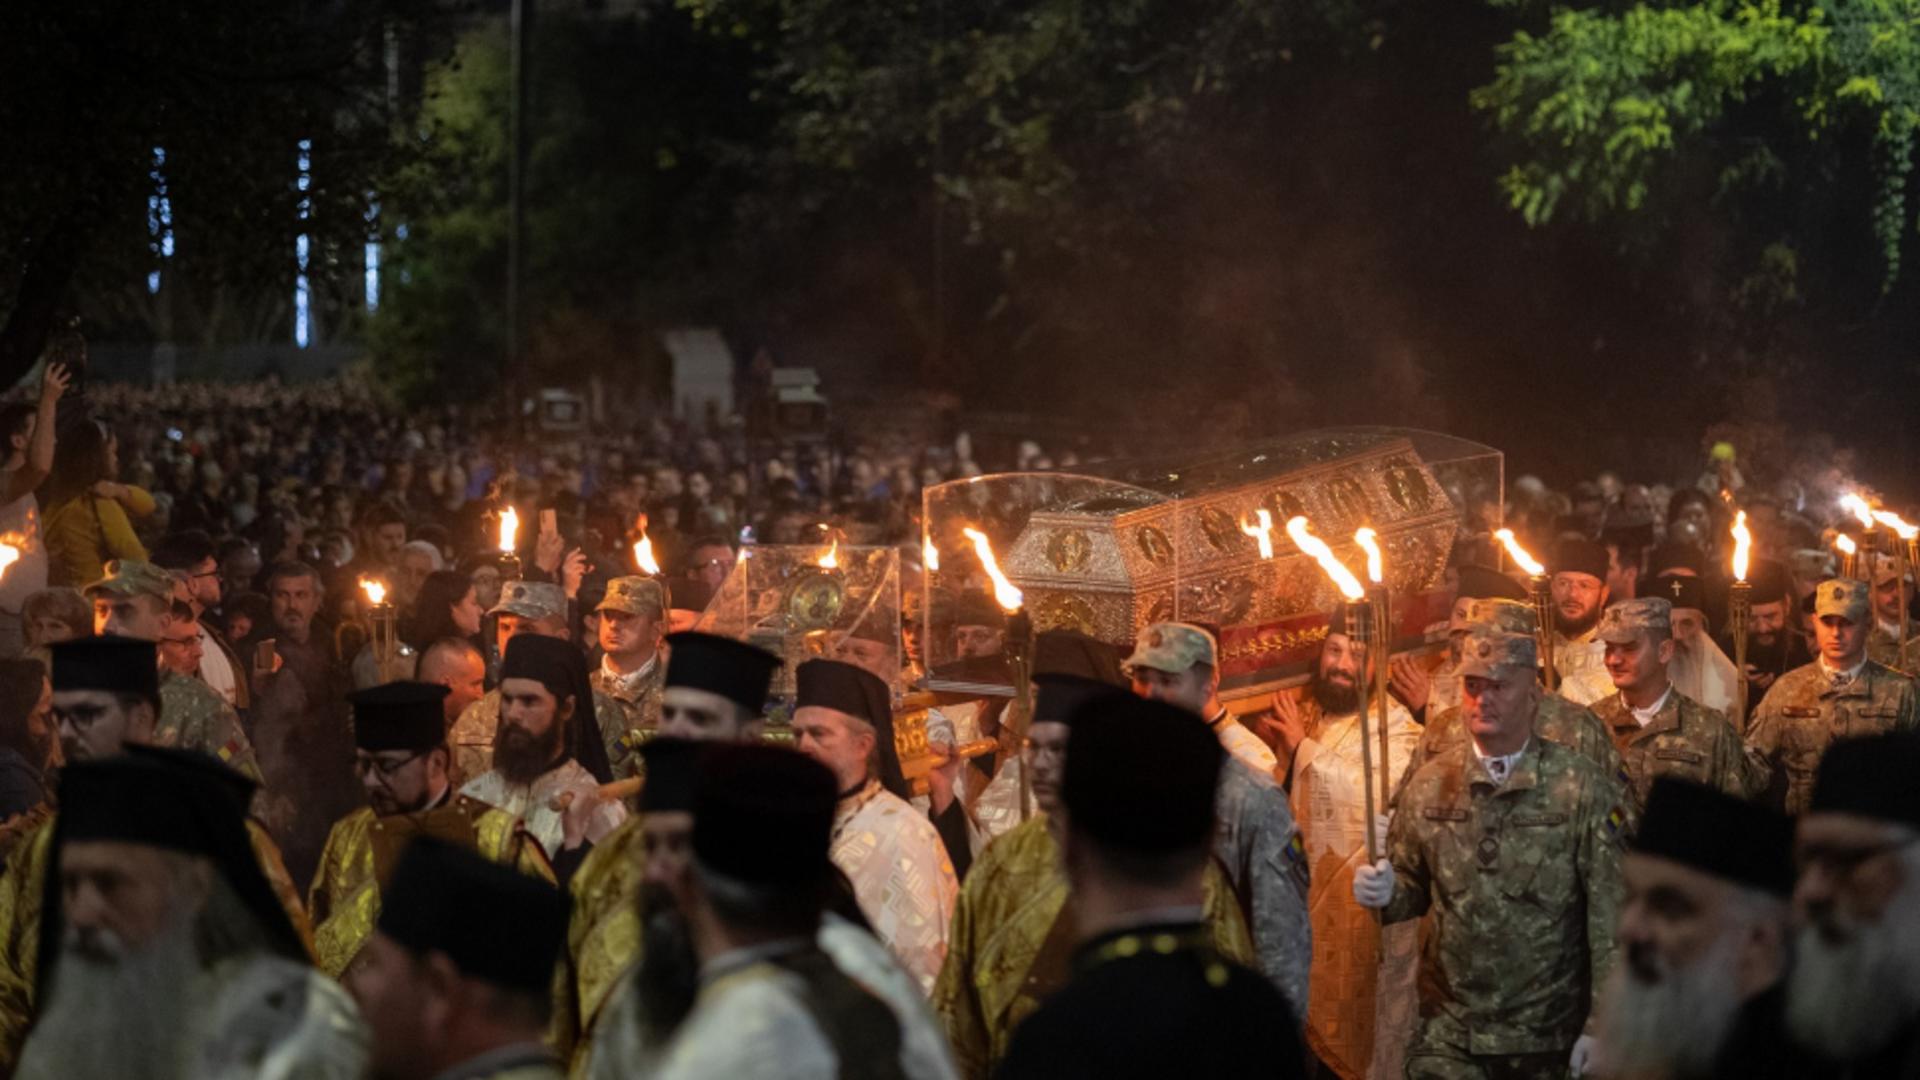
(135, 600)
(1513, 843)
(1659, 730)
(1151, 994)
(890, 851)
(106, 700)
(1854, 994)
(169, 954)
(715, 691)
(1841, 695)
(1699, 989)
(457, 975)
(1179, 664)
(401, 756)
(536, 777)
(1013, 929)
(1580, 569)
(536, 608)
(633, 664)
(1892, 593)
(1426, 693)
(771, 1002)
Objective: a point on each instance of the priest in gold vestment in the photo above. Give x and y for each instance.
(1360, 1004)
(403, 761)
(1013, 934)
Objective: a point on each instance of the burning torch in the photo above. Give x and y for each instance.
(1849, 555)
(1359, 616)
(509, 544)
(1383, 642)
(1540, 591)
(1019, 653)
(1739, 607)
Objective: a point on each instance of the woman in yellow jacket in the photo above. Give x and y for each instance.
(88, 512)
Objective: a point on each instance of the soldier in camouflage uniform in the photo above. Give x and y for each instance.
(1890, 596)
(634, 666)
(1555, 717)
(135, 600)
(1514, 843)
(1659, 730)
(1841, 695)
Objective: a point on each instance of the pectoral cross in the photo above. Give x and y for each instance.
(1676, 588)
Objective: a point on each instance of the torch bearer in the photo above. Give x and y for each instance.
(1383, 644)
(1540, 591)
(1908, 538)
(1359, 617)
(1739, 607)
(383, 629)
(1019, 653)
(509, 544)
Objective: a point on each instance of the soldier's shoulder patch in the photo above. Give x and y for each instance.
(1615, 821)
(1520, 820)
(1679, 753)
(230, 750)
(1297, 849)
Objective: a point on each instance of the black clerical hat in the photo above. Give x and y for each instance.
(399, 716)
(495, 923)
(1711, 831)
(979, 609)
(1679, 590)
(1140, 774)
(1770, 581)
(671, 767)
(1486, 583)
(1577, 556)
(763, 814)
(179, 800)
(1871, 777)
(119, 665)
(1069, 652)
(735, 670)
(1677, 553)
(543, 659)
(842, 687)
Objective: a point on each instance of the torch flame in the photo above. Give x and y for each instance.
(509, 528)
(1343, 578)
(1520, 557)
(376, 592)
(643, 556)
(1845, 544)
(1262, 532)
(1853, 504)
(831, 560)
(929, 555)
(1004, 592)
(1370, 543)
(1893, 521)
(1742, 545)
(9, 554)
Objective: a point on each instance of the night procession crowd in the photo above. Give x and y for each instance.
(547, 830)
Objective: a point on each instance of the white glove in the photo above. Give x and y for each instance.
(1582, 1058)
(1373, 885)
(1381, 823)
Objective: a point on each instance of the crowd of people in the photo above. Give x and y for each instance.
(503, 814)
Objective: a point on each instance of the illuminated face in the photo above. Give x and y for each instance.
(1578, 598)
(94, 724)
(1639, 662)
(1187, 689)
(1841, 640)
(399, 781)
(116, 896)
(976, 641)
(467, 613)
(702, 715)
(144, 617)
(1889, 596)
(295, 601)
(869, 655)
(180, 647)
(1673, 916)
(1046, 762)
(1499, 708)
(842, 743)
(1765, 622)
(624, 634)
(1341, 661)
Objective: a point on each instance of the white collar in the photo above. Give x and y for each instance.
(1645, 716)
(627, 681)
(1846, 676)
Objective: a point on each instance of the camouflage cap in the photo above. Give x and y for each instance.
(1885, 568)
(531, 600)
(1851, 600)
(134, 577)
(1172, 647)
(1627, 620)
(635, 595)
(1488, 653)
(1506, 616)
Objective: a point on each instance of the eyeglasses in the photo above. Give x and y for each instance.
(386, 767)
(182, 642)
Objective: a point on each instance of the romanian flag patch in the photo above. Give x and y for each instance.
(230, 751)
(1616, 820)
(1297, 850)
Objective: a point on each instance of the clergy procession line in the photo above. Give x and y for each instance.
(1602, 880)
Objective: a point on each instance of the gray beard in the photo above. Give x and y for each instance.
(1847, 1000)
(1675, 1026)
(129, 1018)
